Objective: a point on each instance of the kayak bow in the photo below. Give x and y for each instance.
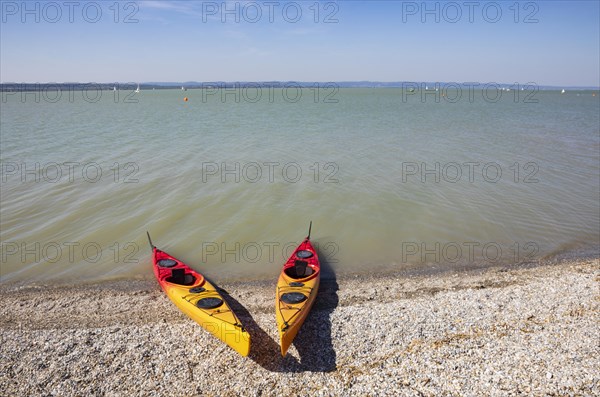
(199, 299)
(296, 291)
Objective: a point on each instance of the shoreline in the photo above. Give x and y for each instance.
(496, 331)
(425, 270)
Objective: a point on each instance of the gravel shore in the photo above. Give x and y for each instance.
(499, 332)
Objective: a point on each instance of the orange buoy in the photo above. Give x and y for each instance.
(185, 99)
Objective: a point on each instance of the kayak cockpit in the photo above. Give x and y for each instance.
(174, 271)
(179, 276)
(299, 270)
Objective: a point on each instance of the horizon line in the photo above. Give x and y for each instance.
(306, 82)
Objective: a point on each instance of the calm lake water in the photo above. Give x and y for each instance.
(390, 180)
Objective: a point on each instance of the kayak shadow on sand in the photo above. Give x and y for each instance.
(314, 342)
(263, 349)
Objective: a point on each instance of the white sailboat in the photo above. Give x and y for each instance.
(563, 91)
(183, 88)
(138, 88)
(114, 88)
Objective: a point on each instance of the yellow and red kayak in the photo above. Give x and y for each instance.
(296, 291)
(199, 299)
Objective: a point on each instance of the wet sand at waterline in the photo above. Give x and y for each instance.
(494, 332)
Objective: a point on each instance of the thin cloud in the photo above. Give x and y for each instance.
(181, 7)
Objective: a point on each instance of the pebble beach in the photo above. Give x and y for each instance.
(496, 332)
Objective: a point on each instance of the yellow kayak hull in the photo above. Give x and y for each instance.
(199, 300)
(221, 321)
(296, 293)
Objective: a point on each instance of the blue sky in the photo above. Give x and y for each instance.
(544, 42)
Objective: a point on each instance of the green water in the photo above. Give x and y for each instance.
(230, 186)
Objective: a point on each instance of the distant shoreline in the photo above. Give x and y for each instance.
(18, 87)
